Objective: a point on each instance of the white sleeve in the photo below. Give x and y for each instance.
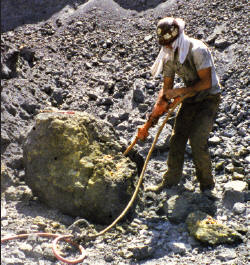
(202, 58)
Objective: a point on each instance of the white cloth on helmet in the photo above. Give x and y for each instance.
(165, 54)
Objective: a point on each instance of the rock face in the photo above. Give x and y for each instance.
(74, 163)
(206, 229)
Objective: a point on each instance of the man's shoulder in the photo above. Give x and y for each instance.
(198, 45)
(199, 48)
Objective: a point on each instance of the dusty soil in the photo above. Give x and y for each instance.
(95, 56)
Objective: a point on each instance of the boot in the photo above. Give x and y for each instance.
(167, 182)
(207, 186)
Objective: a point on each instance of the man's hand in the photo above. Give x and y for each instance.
(172, 93)
(142, 133)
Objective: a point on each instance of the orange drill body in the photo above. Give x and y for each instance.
(161, 107)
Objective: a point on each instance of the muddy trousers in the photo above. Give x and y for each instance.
(194, 122)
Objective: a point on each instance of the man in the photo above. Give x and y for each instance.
(191, 60)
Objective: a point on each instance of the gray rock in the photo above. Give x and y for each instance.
(214, 140)
(233, 108)
(230, 197)
(229, 168)
(26, 248)
(242, 131)
(178, 207)
(221, 43)
(113, 119)
(12, 261)
(247, 159)
(148, 38)
(141, 252)
(138, 96)
(179, 247)
(239, 208)
(226, 255)
(105, 101)
(222, 120)
(236, 185)
(143, 107)
(57, 96)
(234, 192)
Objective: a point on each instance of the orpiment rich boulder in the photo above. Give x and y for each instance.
(74, 163)
(206, 229)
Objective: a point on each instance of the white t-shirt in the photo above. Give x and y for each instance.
(198, 57)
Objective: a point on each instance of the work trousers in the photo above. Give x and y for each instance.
(194, 122)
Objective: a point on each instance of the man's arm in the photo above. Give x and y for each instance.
(168, 84)
(160, 107)
(204, 83)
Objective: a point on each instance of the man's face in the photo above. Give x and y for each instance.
(167, 33)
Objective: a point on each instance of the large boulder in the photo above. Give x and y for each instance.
(74, 162)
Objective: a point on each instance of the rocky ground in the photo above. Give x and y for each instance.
(94, 56)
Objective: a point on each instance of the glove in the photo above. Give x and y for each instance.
(142, 133)
(161, 107)
(177, 99)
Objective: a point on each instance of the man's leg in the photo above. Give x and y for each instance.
(178, 143)
(201, 127)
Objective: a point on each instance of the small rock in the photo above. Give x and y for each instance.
(92, 96)
(107, 101)
(148, 37)
(242, 131)
(113, 119)
(179, 247)
(238, 176)
(221, 43)
(142, 252)
(26, 248)
(247, 159)
(4, 223)
(226, 255)
(11, 261)
(108, 258)
(57, 96)
(218, 152)
(233, 108)
(125, 254)
(222, 120)
(214, 140)
(239, 208)
(142, 107)
(233, 194)
(220, 165)
(48, 252)
(229, 168)
(88, 65)
(236, 185)
(138, 96)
